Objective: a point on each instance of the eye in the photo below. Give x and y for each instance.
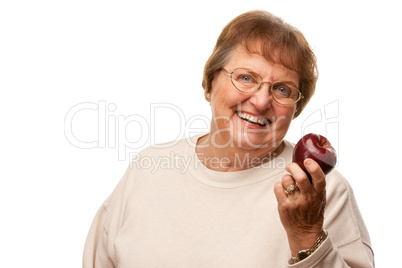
(245, 77)
(283, 90)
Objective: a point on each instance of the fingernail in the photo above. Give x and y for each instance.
(308, 162)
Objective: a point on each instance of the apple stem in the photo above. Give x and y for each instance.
(324, 142)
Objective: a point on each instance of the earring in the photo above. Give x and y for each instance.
(208, 95)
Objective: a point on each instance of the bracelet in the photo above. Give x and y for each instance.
(302, 254)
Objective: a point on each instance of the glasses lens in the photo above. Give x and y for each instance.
(246, 81)
(285, 93)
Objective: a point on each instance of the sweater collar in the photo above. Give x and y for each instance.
(217, 179)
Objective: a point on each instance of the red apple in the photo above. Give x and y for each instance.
(318, 148)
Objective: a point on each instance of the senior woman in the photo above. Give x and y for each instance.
(229, 207)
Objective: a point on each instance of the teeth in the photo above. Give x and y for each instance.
(253, 119)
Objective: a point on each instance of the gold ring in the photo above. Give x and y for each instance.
(291, 189)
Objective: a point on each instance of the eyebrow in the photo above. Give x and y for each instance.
(276, 80)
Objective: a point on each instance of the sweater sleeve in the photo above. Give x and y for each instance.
(328, 255)
(348, 242)
(96, 252)
(99, 249)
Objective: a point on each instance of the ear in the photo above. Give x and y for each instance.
(207, 95)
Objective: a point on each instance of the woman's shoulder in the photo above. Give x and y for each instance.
(340, 193)
(336, 182)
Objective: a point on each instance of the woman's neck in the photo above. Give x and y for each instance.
(233, 158)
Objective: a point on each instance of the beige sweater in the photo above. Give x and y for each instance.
(168, 210)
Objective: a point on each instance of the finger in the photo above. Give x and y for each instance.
(280, 194)
(290, 186)
(287, 181)
(300, 177)
(317, 175)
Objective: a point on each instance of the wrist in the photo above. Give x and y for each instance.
(302, 254)
(302, 241)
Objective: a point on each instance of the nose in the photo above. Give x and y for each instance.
(262, 99)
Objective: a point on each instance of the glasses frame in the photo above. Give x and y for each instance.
(260, 85)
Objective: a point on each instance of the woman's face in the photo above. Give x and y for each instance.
(232, 110)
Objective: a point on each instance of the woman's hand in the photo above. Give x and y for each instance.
(302, 211)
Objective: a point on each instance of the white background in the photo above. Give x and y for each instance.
(126, 55)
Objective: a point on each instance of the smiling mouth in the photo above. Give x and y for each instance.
(253, 120)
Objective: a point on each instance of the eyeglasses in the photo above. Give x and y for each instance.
(246, 81)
